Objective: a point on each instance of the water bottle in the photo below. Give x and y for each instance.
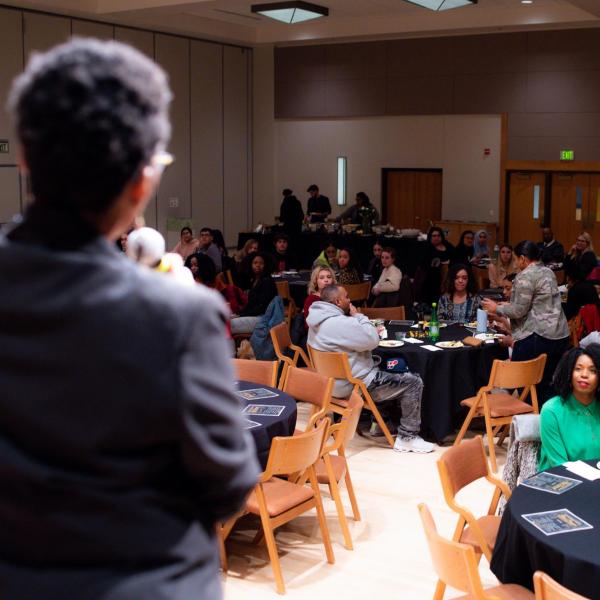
(434, 324)
(496, 252)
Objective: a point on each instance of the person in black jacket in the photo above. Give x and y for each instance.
(261, 290)
(120, 432)
(285, 260)
(464, 251)
(291, 214)
(580, 293)
(551, 250)
(318, 207)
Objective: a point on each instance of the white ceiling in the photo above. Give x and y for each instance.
(232, 20)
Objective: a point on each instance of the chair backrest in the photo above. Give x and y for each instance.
(229, 277)
(296, 453)
(280, 336)
(511, 375)
(443, 276)
(308, 386)
(482, 281)
(575, 326)
(358, 291)
(547, 589)
(261, 372)
(460, 465)
(330, 364)
(454, 563)
(393, 313)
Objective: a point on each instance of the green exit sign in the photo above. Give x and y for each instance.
(4, 147)
(567, 155)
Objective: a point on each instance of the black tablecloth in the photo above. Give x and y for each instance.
(270, 427)
(307, 246)
(573, 559)
(450, 375)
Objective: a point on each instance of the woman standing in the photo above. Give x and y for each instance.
(536, 316)
(570, 422)
(459, 302)
(505, 265)
(581, 256)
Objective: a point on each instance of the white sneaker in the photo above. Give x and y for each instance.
(415, 444)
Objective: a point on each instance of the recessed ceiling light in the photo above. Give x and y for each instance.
(290, 12)
(442, 4)
(526, 1)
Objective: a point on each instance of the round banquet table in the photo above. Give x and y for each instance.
(572, 558)
(269, 426)
(449, 375)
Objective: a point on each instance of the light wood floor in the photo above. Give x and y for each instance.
(390, 556)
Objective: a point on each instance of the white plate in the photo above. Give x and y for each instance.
(450, 344)
(391, 343)
(488, 336)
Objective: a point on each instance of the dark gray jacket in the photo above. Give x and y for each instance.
(120, 436)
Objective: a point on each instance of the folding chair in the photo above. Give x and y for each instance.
(336, 365)
(311, 387)
(456, 565)
(498, 409)
(283, 290)
(392, 313)
(358, 293)
(280, 336)
(547, 589)
(261, 372)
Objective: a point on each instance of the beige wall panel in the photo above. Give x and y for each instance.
(207, 134)
(90, 29)
(236, 132)
(266, 198)
(142, 40)
(471, 183)
(10, 193)
(44, 31)
(11, 64)
(172, 53)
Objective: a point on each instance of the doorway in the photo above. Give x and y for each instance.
(412, 198)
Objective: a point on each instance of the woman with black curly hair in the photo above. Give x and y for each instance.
(570, 422)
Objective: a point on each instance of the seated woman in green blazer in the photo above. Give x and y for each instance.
(570, 422)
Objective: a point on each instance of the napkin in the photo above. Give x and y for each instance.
(583, 470)
(435, 349)
(409, 340)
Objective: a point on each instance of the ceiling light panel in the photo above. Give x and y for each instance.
(290, 12)
(442, 4)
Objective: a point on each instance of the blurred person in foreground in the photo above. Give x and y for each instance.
(120, 433)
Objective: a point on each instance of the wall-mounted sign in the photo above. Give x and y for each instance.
(567, 155)
(4, 147)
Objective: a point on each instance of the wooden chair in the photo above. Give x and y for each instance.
(547, 589)
(336, 365)
(333, 468)
(311, 387)
(458, 467)
(358, 292)
(261, 372)
(456, 565)
(499, 409)
(280, 336)
(482, 280)
(443, 276)
(392, 313)
(283, 290)
(277, 501)
(574, 328)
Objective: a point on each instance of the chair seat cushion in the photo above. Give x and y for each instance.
(508, 591)
(501, 405)
(281, 495)
(338, 464)
(489, 528)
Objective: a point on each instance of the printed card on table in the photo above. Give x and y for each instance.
(553, 522)
(548, 482)
(256, 394)
(263, 410)
(248, 424)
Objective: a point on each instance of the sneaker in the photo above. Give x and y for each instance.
(415, 444)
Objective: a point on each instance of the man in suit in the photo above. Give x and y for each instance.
(120, 433)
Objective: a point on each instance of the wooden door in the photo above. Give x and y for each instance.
(570, 206)
(413, 198)
(592, 224)
(527, 192)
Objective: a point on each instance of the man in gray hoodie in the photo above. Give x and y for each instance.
(336, 326)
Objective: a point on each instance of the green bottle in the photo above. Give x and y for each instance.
(434, 324)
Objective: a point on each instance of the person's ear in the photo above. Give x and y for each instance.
(143, 187)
